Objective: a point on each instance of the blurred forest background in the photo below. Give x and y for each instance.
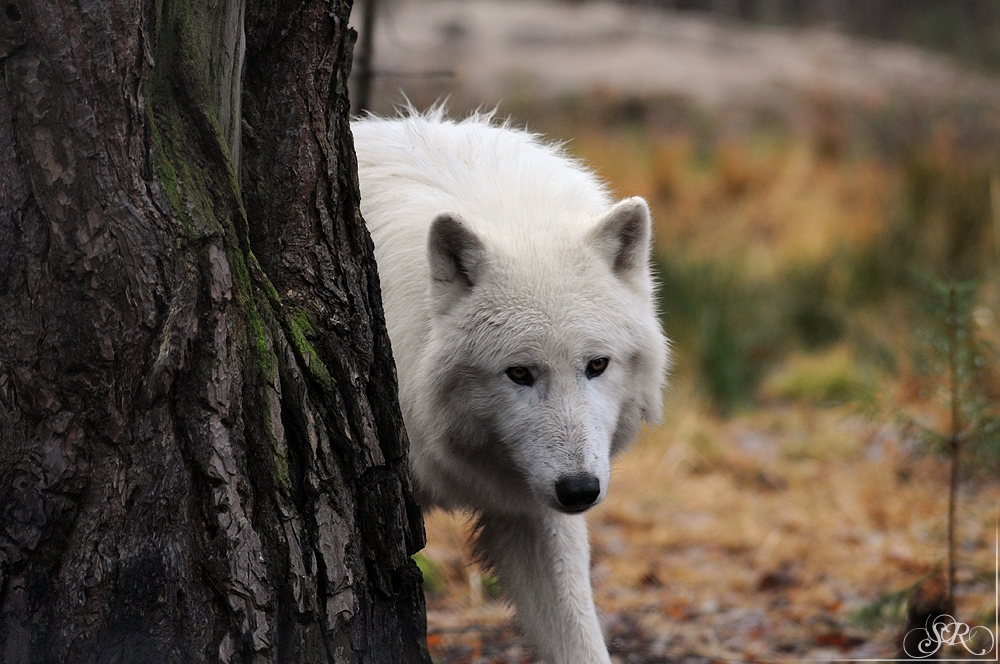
(825, 182)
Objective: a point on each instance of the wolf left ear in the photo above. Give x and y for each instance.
(623, 238)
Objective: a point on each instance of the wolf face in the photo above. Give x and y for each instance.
(543, 359)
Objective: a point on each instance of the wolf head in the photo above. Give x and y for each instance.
(545, 356)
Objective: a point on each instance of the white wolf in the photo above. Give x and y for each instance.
(520, 308)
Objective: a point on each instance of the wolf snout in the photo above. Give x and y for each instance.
(576, 493)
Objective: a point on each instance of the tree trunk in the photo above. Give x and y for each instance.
(201, 454)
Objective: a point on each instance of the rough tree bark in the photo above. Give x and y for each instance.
(201, 454)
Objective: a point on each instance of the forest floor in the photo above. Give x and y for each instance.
(789, 534)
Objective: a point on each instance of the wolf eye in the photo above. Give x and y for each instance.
(521, 376)
(596, 367)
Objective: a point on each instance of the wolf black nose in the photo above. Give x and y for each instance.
(578, 492)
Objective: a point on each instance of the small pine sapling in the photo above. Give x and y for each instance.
(954, 363)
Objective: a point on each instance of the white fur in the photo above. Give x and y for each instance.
(496, 251)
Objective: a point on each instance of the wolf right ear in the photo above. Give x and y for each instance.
(623, 236)
(456, 257)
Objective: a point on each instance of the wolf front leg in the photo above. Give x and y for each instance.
(543, 563)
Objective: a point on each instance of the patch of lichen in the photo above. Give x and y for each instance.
(262, 281)
(184, 179)
(257, 297)
(260, 326)
(304, 320)
(282, 475)
(299, 326)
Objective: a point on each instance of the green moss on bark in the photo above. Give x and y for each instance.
(192, 161)
(299, 326)
(183, 112)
